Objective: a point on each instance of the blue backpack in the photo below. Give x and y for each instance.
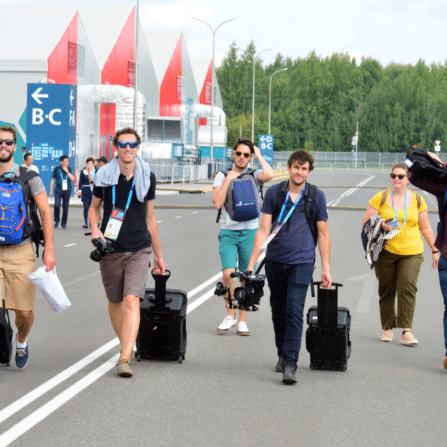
(243, 202)
(16, 222)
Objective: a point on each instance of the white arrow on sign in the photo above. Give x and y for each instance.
(36, 95)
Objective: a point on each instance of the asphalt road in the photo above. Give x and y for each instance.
(226, 392)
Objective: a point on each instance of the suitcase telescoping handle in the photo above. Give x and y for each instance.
(160, 289)
(327, 305)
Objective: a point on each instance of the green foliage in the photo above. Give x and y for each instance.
(317, 102)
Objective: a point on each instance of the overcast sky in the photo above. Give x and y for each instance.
(401, 31)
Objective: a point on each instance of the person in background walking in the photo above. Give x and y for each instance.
(63, 178)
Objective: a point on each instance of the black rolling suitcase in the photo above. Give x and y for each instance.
(327, 337)
(5, 336)
(162, 332)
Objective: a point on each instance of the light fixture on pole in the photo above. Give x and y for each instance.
(212, 85)
(270, 94)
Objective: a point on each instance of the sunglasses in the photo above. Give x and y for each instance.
(399, 176)
(123, 144)
(7, 142)
(238, 154)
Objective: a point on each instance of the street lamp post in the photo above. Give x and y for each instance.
(253, 101)
(135, 69)
(212, 85)
(270, 95)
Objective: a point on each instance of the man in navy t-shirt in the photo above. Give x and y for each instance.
(290, 258)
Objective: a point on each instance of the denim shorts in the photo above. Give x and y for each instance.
(235, 247)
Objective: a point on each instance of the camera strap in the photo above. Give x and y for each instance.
(117, 215)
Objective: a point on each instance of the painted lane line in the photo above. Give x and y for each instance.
(39, 415)
(66, 374)
(70, 245)
(349, 191)
(34, 418)
(52, 383)
(204, 285)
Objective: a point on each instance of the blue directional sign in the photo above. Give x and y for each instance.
(51, 126)
(266, 147)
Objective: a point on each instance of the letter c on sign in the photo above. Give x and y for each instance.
(51, 117)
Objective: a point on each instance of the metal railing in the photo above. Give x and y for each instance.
(191, 171)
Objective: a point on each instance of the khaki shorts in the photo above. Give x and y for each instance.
(16, 263)
(125, 274)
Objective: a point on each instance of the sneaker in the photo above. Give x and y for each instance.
(123, 368)
(56, 224)
(387, 336)
(227, 324)
(64, 226)
(22, 355)
(242, 328)
(408, 339)
(289, 374)
(278, 367)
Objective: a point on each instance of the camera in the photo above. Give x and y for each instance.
(102, 249)
(248, 295)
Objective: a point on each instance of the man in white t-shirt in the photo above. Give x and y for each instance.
(28, 162)
(236, 238)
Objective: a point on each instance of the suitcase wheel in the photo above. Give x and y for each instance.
(181, 358)
(138, 357)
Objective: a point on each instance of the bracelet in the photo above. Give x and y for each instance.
(436, 251)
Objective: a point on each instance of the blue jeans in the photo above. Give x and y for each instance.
(442, 270)
(288, 285)
(64, 197)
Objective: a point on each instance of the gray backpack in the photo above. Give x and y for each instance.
(243, 202)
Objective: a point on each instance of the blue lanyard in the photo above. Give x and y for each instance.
(405, 206)
(12, 170)
(291, 209)
(62, 177)
(128, 199)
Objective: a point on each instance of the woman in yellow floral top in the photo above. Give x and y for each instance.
(399, 263)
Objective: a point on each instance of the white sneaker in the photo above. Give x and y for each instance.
(242, 328)
(227, 324)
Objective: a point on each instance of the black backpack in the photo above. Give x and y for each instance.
(309, 207)
(424, 165)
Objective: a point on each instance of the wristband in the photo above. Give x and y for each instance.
(436, 251)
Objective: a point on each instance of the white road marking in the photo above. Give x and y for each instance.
(178, 217)
(37, 416)
(350, 191)
(50, 384)
(70, 245)
(368, 290)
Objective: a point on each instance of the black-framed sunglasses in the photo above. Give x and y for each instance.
(7, 142)
(238, 154)
(123, 144)
(399, 176)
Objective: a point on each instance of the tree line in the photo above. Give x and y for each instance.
(317, 102)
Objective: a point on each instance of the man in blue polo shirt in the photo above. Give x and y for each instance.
(290, 257)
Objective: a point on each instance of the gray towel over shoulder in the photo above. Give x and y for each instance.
(108, 175)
